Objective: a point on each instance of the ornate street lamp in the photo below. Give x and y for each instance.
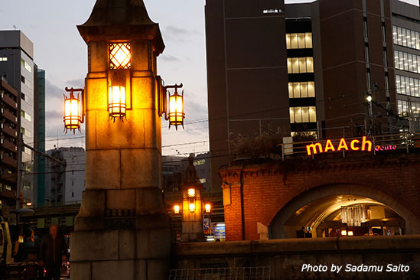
(207, 207)
(117, 102)
(176, 209)
(73, 110)
(174, 106)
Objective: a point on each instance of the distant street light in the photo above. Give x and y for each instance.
(176, 209)
(208, 207)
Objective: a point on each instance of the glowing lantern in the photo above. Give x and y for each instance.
(208, 207)
(192, 207)
(191, 192)
(73, 110)
(117, 102)
(174, 106)
(176, 109)
(176, 208)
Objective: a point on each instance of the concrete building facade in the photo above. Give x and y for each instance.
(65, 184)
(8, 143)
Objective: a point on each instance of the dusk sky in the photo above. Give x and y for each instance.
(59, 49)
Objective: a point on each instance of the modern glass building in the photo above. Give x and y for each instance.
(18, 68)
(40, 136)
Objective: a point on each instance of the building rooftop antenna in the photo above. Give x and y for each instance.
(14, 26)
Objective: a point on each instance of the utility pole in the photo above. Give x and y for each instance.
(20, 170)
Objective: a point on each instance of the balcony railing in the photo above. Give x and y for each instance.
(9, 161)
(12, 178)
(9, 131)
(8, 115)
(9, 101)
(9, 146)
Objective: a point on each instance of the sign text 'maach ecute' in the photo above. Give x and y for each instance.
(364, 145)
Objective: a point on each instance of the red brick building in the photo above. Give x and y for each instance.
(279, 199)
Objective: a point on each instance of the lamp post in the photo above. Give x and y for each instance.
(123, 230)
(192, 205)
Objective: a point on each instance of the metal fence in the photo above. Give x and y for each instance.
(231, 273)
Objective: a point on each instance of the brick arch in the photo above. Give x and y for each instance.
(364, 190)
(299, 187)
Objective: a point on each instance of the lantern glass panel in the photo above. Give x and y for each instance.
(191, 192)
(176, 109)
(192, 207)
(208, 208)
(119, 56)
(117, 102)
(72, 113)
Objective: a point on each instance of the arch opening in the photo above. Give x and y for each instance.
(342, 210)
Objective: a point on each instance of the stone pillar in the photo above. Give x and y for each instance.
(192, 221)
(122, 230)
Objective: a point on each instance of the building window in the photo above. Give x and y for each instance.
(299, 41)
(409, 109)
(199, 162)
(26, 65)
(302, 90)
(407, 62)
(26, 115)
(22, 79)
(3, 58)
(296, 65)
(27, 185)
(405, 37)
(407, 86)
(303, 114)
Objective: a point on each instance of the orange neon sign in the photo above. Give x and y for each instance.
(364, 145)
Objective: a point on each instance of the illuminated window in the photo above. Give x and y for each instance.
(26, 65)
(407, 62)
(120, 56)
(299, 41)
(406, 38)
(409, 109)
(199, 162)
(3, 58)
(296, 65)
(302, 90)
(303, 114)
